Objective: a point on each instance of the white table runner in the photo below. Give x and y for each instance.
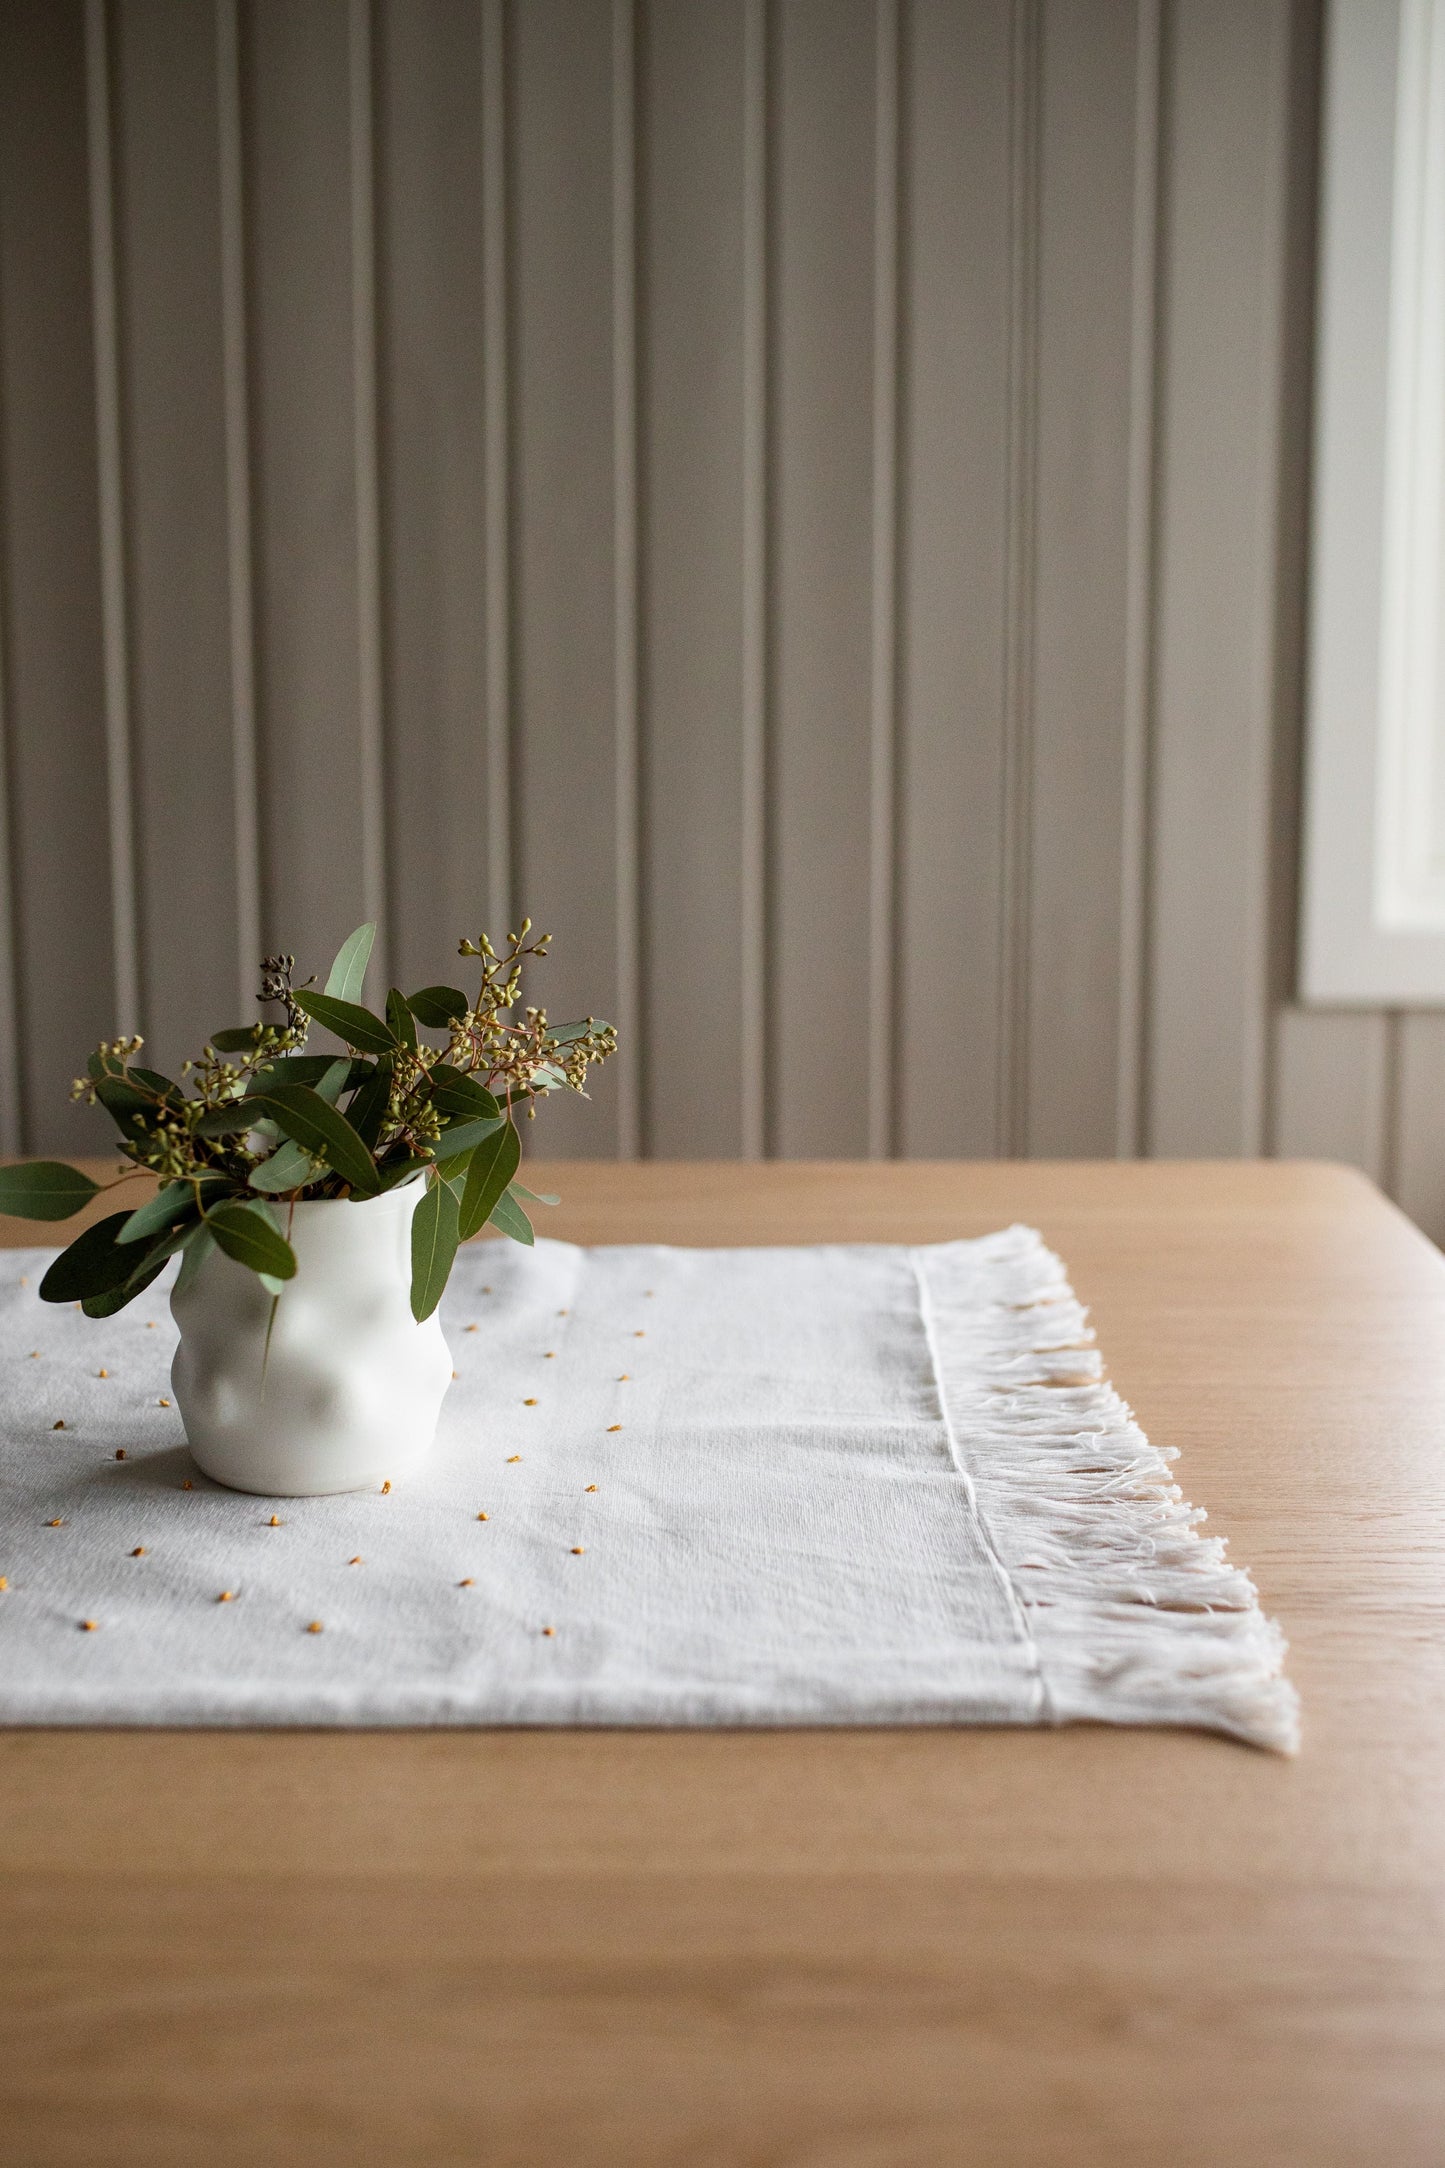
(777, 1486)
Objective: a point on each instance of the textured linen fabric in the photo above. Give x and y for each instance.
(774, 1486)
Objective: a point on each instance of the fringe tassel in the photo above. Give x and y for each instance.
(1133, 1617)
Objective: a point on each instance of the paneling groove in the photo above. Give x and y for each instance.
(497, 487)
(628, 1004)
(240, 605)
(125, 932)
(883, 720)
(1139, 592)
(1022, 453)
(756, 588)
(369, 716)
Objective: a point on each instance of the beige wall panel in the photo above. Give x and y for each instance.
(1227, 109)
(314, 784)
(433, 486)
(1418, 1121)
(953, 519)
(1331, 1086)
(1079, 853)
(172, 410)
(821, 352)
(692, 125)
(54, 682)
(564, 504)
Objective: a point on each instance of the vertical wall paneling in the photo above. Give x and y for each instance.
(497, 469)
(1087, 200)
(369, 721)
(114, 632)
(821, 308)
(171, 406)
(1419, 1093)
(314, 782)
(240, 612)
(50, 586)
(1228, 105)
(805, 497)
(701, 569)
(442, 504)
(627, 1067)
(1022, 443)
(9, 986)
(751, 1010)
(1332, 1084)
(954, 495)
(882, 1007)
(564, 520)
(1139, 586)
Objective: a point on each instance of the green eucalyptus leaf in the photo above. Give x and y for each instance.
(508, 1218)
(290, 1166)
(461, 1137)
(44, 1189)
(289, 1069)
(493, 1163)
(367, 1110)
(437, 1006)
(564, 1034)
(333, 1083)
(401, 1020)
(152, 1080)
(122, 1100)
(235, 1039)
(199, 1244)
(344, 979)
(325, 1131)
(93, 1265)
(402, 1170)
(452, 1091)
(533, 1196)
(357, 1026)
(166, 1209)
(248, 1234)
(229, 1119)
(116, 1299)
(434, 1238)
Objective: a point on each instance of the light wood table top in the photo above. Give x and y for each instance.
(848, 1949)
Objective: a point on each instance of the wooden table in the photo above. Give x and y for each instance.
(841, 1949)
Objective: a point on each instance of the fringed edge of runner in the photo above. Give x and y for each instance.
(1133, 1616)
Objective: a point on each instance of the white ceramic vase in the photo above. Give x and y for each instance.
(349, 1393)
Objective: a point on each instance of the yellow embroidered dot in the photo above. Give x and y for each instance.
(163, 1402)
(60, 1425)
(188, 1484)
(275, 1521)
(513, 1456)
(139, 1551)
(357, 1561)
(484, 1516)
(102, 1373)
(468, 1583)
(120, 1452)
(592, 1486)
(227, 1595)
(3, 1582)
(614, 1426)
(529, 1403)
(314, 1627)
(55, 1524)
(386, 1486)
(549, 1631)
(577, 1550)
(87, 1625)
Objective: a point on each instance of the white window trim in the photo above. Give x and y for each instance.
(1373, 907)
